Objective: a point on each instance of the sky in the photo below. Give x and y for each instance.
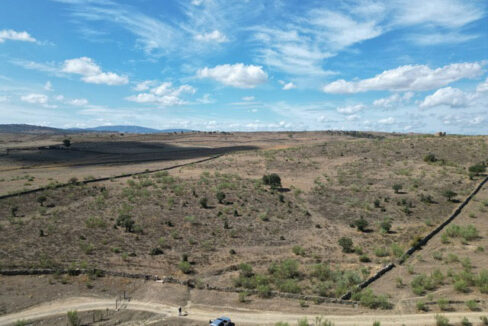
(246, 65)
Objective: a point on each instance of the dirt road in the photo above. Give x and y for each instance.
(240, 316)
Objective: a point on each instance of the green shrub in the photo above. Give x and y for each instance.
(185, 267)
(385, 225)
(397, 187)
(204, 202)
(477, 169)
(298, 250)
(441, 320)
(396, 250)
(272, 180)
(430, 158)
(73, 318)
(220, 197)
(364, 259)
(264, 291)
(361, 224)
(421, 306)
(472, 305)
(368, 299)
(381, 252)
(243, 296)
(465, 322)
(290, 286)
(443, 304)
(449, 194)
(346, 244)
(156, 251)
(126, 221)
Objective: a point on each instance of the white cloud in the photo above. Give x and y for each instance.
(350, 108)
(432, 39)
(441, 13)
(34, 98)
(3, 99)
(9, 34)
(164, 95)
(248, 98)
(448, 96)
(387, 121)
(237, 75)
(482, 87)
(92, 73)
(352, 117)
(215, 36)
(78, 102)
(48, 86)
(289, 86)
(394, 99)
(144, 85)
(409, 78)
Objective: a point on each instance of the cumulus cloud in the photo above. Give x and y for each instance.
(394, 99)
(164, 95)
(448, 96)
(78, 102)
(215, 36)
(92, 73)
(350, 109)
(289, 86)
(248, 98)
(408, 78)
(387, 121)
(482, 87)
(236, 75)
(144, 85)
(34, 98)
(9, 34)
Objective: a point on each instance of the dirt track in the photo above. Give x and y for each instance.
(241, 316)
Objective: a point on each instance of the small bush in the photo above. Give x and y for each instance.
(73, 318)
(397, 187)
(472, 305)
(156, 251)
(441, 320)
(421, 306)
(385, 225)
(204, 202)
(449, 194)
(220, 197)
(361, 224)
(465, 322)
(264, 291)
(430, 158)
(272, 180)
(381, 252)
(346, 244)
(368, 299)
(298, 250)
(185, 267)
(443, 304)
(364, 259)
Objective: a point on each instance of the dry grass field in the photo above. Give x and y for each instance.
(218, 224)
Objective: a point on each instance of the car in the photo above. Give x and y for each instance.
(222, 321)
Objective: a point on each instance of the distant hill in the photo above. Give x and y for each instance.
(31, 129)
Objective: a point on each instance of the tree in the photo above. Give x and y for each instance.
(272, 180)
(477, 169)
(220, 197)
(346, 244)
(66, 142)
(361, 224)
(449, 194)
(126, 221)
(397, 187)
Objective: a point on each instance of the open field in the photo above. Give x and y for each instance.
(216, 225)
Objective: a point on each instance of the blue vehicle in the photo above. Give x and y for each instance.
(222, 321)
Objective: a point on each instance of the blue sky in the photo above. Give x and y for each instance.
(398, 65)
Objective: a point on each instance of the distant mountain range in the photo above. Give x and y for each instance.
(32, 129)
